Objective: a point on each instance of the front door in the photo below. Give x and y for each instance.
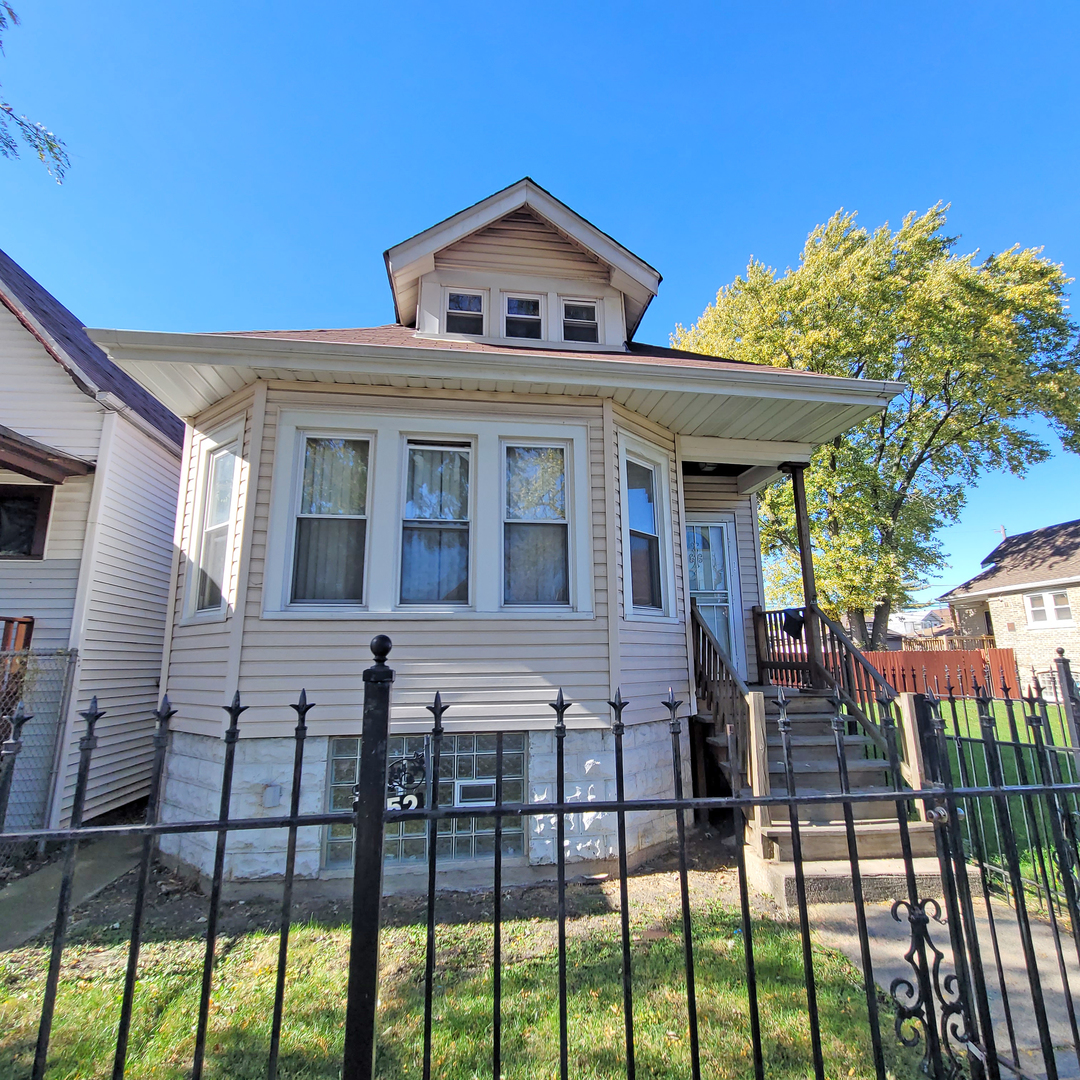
(714, 585)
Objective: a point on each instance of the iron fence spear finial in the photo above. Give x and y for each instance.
(618, 703)
(672, 707)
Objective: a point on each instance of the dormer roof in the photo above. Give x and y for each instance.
(524, 215)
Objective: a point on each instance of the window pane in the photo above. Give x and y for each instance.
(329, 562)
(640, 497)
(212, 571)
(645, 570)
(535, 483)
(536, 567)
(519, 305)
(1038, 609)
(18, 523)
(523, 328)
(438, 485)
(1062, 612)
(335, 477)
(464, 324)
(435, 565)
(219, 495)
(466, 302)
(580, 332)
(580, 312)
(705, 555)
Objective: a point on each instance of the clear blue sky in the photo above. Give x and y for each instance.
(240, 165)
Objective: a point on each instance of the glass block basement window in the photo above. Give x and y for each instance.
(466, 778)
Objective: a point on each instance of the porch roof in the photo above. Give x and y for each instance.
(689, 394)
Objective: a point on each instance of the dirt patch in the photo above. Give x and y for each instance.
(177, 908)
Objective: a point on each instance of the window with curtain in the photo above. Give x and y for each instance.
(641, 487)
(213, 543)
(435, 530)
(331, 526)
(535, 529)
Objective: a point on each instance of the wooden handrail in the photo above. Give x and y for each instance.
(15, 632)
(699, 620)
(854, 650)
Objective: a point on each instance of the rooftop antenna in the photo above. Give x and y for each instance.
(1004, 534)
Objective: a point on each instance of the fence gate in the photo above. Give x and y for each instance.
(960, 1008)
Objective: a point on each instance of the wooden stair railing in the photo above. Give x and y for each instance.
(15, 633)
(724, 694)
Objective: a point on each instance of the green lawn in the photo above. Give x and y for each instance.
(164, 1027)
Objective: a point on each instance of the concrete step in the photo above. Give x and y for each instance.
(875, 839)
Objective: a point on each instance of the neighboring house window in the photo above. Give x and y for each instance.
(523, 318)
(24, 520)
(644, 521)
(466, 778)
(331, 525)
(435, 531)
(1048, 609)
(536, 551)
(213, 540)
(465, 313)
(579, 321)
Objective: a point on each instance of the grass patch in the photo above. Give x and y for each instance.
(166, 1001)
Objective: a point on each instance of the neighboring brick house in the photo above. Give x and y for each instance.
(1028, 597)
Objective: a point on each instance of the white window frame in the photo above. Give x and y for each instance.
(650, 457)
(219, 439)
(515, 294)
(567, 447)
(446, 442)
(1052, 621)
(299, 451)
(388, 434)
(485, 310)
(597, 303)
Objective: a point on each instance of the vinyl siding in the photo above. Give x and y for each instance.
(653, 653)
(123, 628)
(45, 588)
(521, 243)
(40, 400)
(491, 671)
(704, 495)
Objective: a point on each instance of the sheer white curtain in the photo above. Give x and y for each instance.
(535, 540)
(217, 517)
(435, 533)
(331, 529)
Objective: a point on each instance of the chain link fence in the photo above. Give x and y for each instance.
(42, 682)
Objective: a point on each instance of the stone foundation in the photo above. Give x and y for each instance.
(262, 779)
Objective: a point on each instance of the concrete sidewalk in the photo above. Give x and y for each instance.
(28, 906)
(835, 927)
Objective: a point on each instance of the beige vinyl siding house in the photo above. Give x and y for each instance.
(503, 482)
(78, 432)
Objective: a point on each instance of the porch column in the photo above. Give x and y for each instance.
(806, 562)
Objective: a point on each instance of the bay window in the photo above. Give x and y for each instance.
(435, 532)
(644, 535)
(535, 527)
(331, 526)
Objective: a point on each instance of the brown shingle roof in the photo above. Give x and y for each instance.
(1050, 554)
(394, 335)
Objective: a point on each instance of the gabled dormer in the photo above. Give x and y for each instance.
(520, 268)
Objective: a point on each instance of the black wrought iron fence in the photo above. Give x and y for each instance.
(942, 1013)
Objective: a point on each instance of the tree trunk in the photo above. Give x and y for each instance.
(857, 625)
(881, 626)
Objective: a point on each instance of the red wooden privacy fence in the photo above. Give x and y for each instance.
(914, 671)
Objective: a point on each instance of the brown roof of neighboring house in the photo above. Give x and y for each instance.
(1050, 554)
(394, 335)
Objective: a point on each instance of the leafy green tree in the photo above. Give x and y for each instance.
(983, 348)
(48, 147)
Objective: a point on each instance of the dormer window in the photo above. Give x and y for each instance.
(579, 321)
(523, 318)
(465, 313)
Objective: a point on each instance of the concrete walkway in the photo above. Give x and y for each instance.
(835, 927)
(28, 906)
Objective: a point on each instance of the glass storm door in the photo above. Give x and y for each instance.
(711, 584)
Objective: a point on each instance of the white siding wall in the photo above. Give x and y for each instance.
(39, 399)
(45, 588)
(652, 653)
(720, 494)
(523, 244)
(121, 612)
(494, 672)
